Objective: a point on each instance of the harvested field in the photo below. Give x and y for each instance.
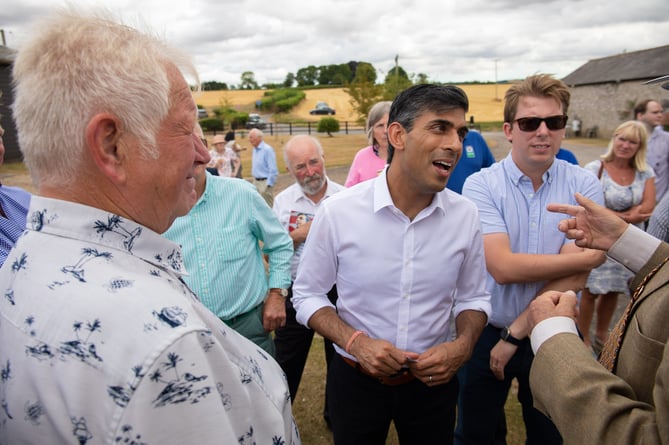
(483, 104)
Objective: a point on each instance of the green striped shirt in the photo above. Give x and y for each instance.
(220, 239)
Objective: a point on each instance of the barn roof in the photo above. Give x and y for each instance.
(633, 66)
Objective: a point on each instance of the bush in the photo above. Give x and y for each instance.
(237, 119)
(328, 125)
(212, 124)
(282, 100)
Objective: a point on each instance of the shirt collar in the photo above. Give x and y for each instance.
(105, 231)
(303, 196)
(207, 186)
(516, 175)
(383, 199)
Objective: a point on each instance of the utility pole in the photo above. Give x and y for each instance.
(2, 33)
(397, 74)
(496, 96)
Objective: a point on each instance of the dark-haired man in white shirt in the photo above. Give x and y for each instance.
(403, 253)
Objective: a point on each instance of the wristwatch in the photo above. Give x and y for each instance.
(283, 292)
(505, 334)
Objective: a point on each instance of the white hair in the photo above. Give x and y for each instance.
(76, 66)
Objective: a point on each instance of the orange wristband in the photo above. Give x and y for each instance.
(355, 335)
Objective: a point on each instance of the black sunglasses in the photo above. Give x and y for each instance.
(532, 123)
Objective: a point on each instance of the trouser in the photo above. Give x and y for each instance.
(249, 324)
(266, 191)
(293, 342)
(361, 408)
(482, 397)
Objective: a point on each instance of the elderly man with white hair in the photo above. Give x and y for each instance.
(101, 341)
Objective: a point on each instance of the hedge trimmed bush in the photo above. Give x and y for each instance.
(328, 125)
(282, 100)
(212, 124)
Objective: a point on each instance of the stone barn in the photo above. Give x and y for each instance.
(10, 138)
(604, 91)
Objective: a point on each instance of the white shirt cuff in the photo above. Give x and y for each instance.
(634, 248)
(550, 327)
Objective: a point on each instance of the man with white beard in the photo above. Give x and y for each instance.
(295, 207)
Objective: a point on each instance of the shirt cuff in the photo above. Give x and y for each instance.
(634, 248)
(550, 327)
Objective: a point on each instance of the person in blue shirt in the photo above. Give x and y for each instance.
(475, 155)
(566, 155)
(263, 166)
(14, 204)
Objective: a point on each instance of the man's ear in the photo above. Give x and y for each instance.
(396, 135)
(103, 135)
(508, 131)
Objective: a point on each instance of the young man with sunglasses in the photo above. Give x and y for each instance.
(525, 254)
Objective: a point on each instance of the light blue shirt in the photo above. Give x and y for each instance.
(263, 163)
(658, 158)
(219, 239)
(508, 204)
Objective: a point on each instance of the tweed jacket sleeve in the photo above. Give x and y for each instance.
(590, 405)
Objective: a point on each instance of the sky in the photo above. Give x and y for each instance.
(448, 40)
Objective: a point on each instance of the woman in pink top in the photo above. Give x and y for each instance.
(370, 161)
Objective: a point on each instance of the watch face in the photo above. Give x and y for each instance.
(505, 333)
(284, 292)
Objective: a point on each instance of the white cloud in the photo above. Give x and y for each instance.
(448, 40)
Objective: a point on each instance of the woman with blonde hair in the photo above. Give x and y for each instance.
(371, 160)
(629, 190)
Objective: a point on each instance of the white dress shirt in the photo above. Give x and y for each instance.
(633, 249)
(397, 279)
(291, 205)
(102, 342)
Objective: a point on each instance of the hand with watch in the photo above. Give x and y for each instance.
(274, 309)
(502, 352)
(505, 334)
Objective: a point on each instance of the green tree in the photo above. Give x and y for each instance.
(334, 74)
(214, 86)
(306, 76)
(328, 125)
(342, 75)
(289, 81)
(421, 78)
(396, 81)
(363, 96)
(248, 81)
(363, 72)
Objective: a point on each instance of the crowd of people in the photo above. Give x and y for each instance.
(151, 295)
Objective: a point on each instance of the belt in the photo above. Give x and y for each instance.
(261, 179)
(402, 377)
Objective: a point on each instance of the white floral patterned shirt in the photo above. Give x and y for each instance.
(101, 342)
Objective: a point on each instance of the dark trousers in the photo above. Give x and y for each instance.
(361, 409)
(482, 397)
(292, 343)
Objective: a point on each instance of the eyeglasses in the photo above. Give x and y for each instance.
(204, 142)
(532, 123)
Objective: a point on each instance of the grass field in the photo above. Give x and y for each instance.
(484, 102)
